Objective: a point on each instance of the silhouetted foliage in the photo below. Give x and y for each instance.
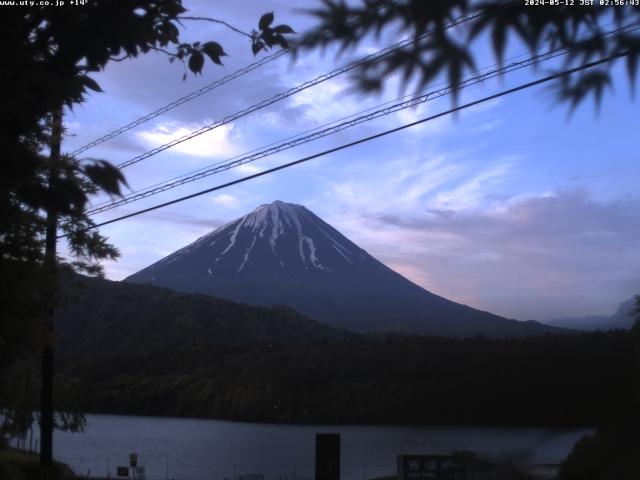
(550, 380)
(269, 36)
(635, 313)
(611, 453)
(48, 57)
(16, 465)
(450, 52)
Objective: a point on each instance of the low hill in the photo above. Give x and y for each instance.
(103, 316)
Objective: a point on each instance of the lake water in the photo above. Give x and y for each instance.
(195, 449)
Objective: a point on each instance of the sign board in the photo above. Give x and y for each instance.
(430, 467)
(140, 473)
(122, 472)
(133, 460)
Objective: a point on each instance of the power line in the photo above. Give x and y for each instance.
(317, 134)
(334, 127)
(292, 91)
(181, 100)
(363, 140)
(191, 96)
(220, 162)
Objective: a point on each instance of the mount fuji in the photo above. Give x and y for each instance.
(283, 254)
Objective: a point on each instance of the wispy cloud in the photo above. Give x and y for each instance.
(472, 193)
(224, 199)
(439, 182)
(548, 256)
(216, 143)
(180, 218)
(403, 183)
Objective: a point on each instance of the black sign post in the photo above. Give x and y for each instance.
(430, 467)
(327, 456)
(133, 463)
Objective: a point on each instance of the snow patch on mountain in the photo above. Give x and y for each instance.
(274, 221)
(312, 253)
(234, 235)
(270, 224)
(246, 254)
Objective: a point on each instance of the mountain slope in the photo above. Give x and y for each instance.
(282, 253)
(100, 316)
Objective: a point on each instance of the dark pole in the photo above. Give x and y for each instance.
(46, 399)
(327, 456)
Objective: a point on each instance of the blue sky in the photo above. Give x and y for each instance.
(512, 206)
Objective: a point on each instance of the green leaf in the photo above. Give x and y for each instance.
(632, 70)
(215, 48)
(196, 61)
(283, 29)
(265, 20)
(499, 40)
(214, 51)
(90, 83)
(281, 41)
(174, 33)
(67, 195)
(105, 176)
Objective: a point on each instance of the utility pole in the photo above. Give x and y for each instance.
(46, 398)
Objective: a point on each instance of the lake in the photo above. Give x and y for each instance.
(196, 449)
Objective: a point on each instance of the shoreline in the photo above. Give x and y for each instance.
(547, 426)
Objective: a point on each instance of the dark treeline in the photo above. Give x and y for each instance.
(560, 380)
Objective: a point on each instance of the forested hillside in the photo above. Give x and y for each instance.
(547, 380)
(98, 316)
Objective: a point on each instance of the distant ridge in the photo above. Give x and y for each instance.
(284, 254)
(619, 320)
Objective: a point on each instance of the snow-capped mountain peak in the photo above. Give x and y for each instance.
(282, 234)
(283, 254)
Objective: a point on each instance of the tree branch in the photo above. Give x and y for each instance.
(162, 50)
(214, 20)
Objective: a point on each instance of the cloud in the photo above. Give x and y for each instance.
(326, 101)
(154, 235)
(473, 192)
(437, 181)
(219, 142)
(549, 256)
(224, 199)
(248, 169)
(404, 181)
(181, 218)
